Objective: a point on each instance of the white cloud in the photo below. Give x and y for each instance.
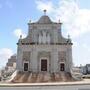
(85, 46)
(75, 44)
(76, 21)
(18, 32)
(81, 23)
(5, 53)
(44, 5)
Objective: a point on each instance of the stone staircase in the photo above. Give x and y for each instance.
(63, 76)
(47, 77)
(40, 77)
(33, 78)
(68, 76)
(52, 77)
(27, 77)
(57, 77)
(17, 77)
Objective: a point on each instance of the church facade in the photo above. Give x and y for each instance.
(44, 49)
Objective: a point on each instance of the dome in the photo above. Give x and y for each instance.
(44, 19)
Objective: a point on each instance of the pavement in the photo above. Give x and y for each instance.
(84, 82)
(46, 86)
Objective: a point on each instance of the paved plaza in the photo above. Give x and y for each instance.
(50, 87)
(78, 85)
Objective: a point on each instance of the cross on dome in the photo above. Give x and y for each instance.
(68, 36)
(44, 11)
(20, 36)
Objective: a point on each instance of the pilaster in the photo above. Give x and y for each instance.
(54, 60)
(34, 61)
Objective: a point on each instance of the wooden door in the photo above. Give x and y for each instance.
(62, 67)
(44, 65)
(25, 66)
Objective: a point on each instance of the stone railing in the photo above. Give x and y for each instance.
(76, 73)
(12, 76)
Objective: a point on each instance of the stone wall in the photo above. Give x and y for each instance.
(54, 53)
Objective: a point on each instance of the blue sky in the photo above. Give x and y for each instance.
(74, 14)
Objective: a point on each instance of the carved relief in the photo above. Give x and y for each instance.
(44, 37)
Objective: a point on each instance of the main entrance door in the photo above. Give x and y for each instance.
(25, 66)
(43, 64)
(62, 67)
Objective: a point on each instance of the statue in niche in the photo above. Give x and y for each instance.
(44, 37)
(48, 38)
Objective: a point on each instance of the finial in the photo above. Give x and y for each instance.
(30, 21)
(68, 36)
(45, 11)
(59, 20)
(20, 36)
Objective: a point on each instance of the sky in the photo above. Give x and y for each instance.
(74, 14)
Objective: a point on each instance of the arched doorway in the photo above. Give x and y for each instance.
(62, 67)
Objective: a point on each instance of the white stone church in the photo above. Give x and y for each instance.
(44, 49)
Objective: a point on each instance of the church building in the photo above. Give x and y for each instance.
(44, 49)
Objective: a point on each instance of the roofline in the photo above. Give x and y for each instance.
(44, 23)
